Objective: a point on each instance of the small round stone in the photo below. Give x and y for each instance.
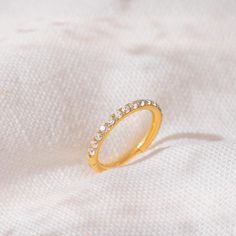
(94, 144)
(135, 105)
(154, 104)
(142, 103)
(118, 114)
(111, 121)
(131, 106)
(102, 128)
(91, 151)
(98, 137)
(149, 102)
(125, 109)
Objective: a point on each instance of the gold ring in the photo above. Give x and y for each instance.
(115, 119)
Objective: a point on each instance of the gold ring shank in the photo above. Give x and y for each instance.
(94, 161)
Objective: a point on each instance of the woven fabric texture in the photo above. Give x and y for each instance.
(66, 65)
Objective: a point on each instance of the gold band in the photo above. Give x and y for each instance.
(115, 119)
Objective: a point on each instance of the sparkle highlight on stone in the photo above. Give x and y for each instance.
(102, 128)
(94, 144)
(98, 137)
(91, 151)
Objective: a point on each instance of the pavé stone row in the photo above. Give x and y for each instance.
(115, 118)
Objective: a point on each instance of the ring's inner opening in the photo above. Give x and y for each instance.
(125, 136)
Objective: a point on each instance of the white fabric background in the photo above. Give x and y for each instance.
(66, 65)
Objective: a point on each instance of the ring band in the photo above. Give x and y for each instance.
(115, 119)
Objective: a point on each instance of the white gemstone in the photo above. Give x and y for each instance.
(98, 136)
(131, 105)
(118, 114)
(91, 151)
(154, 104)
(94, 144)
(149, 102)
(135, 105)
(125, 109)
(111, 121)
(142, 103)
(102, 128)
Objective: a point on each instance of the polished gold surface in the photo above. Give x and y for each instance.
(115, 119)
